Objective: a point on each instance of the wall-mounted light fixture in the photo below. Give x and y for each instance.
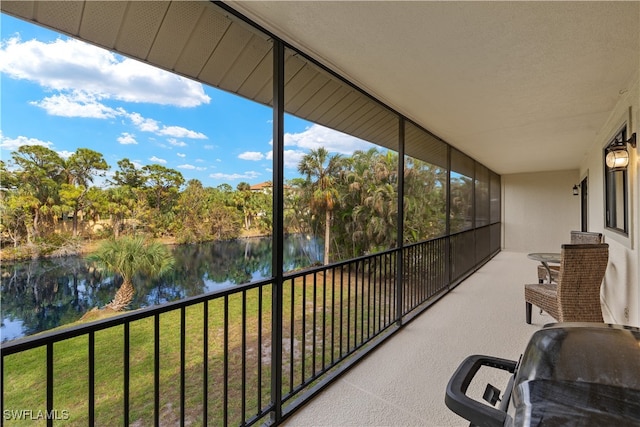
(617, 155)
(575, 190)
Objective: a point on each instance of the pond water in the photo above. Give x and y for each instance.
(41, 294)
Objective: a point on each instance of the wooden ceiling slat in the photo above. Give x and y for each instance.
(225, 55)
(314, 104)
(101, 22)
(351, 114)
(296, 86)
(22, 9)
(208, 33)
(258, 85)
(333, 110)
(65, 15)
(462, 164)
(328, 108)
(372, 123)
(358, 118)
(424, 146)
(292, 65)
(140, 27)
(173, 34)
(265, 95)
(253, 53)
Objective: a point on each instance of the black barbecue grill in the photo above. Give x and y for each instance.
(570, 374)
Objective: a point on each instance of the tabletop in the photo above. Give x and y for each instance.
(545, 256)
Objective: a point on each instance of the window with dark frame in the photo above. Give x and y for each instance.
(616, 191)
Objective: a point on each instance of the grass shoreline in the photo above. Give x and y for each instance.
(86, 247)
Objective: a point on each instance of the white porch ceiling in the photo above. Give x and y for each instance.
(519, 86)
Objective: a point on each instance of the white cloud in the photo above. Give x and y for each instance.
(157, 160)
(88, 107)
(251, 155)
(235, 176)
(291, 158)
(150, 125)
(153, 126)
(181, 155)
(314, 137)
(180, 132)
(317, 136)
(13, 144)
(127, 139)
(65, 154)
(208, 147)
(191, 167)
(71, 65)
(142, 123)
(177, 143)
(76, 104)
(82, 104)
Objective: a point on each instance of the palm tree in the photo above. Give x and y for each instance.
(369, 203)
(128, 256)
(121, 201)
(324, 195)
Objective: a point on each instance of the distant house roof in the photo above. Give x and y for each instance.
(262, 186)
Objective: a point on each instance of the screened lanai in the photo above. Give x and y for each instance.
(518, 99)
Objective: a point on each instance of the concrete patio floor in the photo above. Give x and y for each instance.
(403, 382)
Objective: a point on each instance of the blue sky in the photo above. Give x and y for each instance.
(65, 94)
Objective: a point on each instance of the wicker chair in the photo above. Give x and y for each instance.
(577, 237)
(576, 295)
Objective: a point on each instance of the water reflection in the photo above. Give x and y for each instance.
(38, 295)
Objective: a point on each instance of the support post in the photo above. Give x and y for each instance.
(278, 231)
(400, 238)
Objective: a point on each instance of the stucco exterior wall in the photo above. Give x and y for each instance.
(621, 287)
(540, 210)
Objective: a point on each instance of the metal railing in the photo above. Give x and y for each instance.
(208, 359)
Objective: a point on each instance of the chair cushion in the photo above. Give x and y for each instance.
(543, 295)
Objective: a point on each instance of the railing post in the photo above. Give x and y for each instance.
(1, 390)
(156, 370)
(91, 401)
(183, 350)
(447, 221)
(278, 233)
(205, 364)
(49, 383)
(126, 360)
(400, 230)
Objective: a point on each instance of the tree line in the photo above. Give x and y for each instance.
(349, 201)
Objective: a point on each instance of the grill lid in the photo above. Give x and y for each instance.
(579, 374)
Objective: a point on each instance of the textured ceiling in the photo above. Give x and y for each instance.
(519, 86)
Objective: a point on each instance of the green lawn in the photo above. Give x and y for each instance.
(25, 373)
